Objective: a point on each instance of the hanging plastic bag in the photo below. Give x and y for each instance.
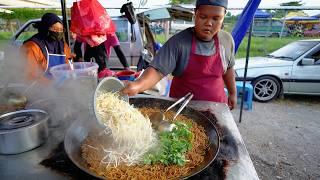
(88, 17)
(93, 40)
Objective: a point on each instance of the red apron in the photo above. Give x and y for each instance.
(202, 77)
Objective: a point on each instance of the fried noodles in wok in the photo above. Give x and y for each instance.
(92, 153)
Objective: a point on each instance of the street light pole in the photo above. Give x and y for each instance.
(65, 21)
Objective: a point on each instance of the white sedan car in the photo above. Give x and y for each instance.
(292, 69)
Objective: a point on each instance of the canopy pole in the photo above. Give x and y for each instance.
(65, 21)
(284, 22)
(245, 71)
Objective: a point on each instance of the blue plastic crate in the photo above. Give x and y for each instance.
(248, 95)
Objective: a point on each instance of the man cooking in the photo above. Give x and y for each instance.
(200, 58)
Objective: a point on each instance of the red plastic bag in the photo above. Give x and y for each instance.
(105, 73)
(88, 17)
(93, 40)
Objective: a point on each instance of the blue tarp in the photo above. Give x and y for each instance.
(262, 14)
(316, 16)
(244, 21)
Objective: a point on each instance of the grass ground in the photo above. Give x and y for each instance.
(260, 46)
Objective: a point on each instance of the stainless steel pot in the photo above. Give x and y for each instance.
(23, 130)
(80, 129)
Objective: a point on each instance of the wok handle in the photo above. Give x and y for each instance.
(183, 105)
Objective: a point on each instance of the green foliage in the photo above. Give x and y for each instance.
(181, 2)
(5, 35)
(281, 13)
(173, 146)
(160, 38)
(292, 3)
(24, 14)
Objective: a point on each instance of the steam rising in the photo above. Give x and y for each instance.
(64, 101)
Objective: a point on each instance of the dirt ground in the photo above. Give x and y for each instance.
(283, 137)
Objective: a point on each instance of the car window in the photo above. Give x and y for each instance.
(179, 21)
(27, 33)
(315, 56)
(293, 50)
(122, 29)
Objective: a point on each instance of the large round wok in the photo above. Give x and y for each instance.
(79, 130)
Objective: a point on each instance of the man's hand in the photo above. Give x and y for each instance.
(229, 80)
(232, 101)
(148, 79)
(131, 88)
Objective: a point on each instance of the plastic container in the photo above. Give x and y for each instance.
(126, 75)
(80, 69)
(82, 79)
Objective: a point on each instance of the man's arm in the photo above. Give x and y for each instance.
(148, 79)
(229, 81)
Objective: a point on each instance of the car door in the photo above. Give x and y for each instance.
(123, 34)
(306, 78)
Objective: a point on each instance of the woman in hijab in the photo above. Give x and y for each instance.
(47, 48)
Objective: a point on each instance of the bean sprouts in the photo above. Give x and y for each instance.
(131, 132)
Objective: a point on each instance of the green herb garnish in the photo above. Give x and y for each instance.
(173, 146)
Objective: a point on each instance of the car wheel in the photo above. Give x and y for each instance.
(265, 88)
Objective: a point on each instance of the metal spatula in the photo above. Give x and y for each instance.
(158, 120)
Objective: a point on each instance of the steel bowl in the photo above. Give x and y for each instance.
(23, 130)
(108, 84)
(80, 129)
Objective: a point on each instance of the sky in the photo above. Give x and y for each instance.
(232, 3)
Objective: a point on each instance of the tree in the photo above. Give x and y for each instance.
(281, 13)
(25, 14)
(19, 16)
(175, 2)
(292, 3)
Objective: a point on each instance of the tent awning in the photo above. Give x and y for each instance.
(262, 14)
(301, 18)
